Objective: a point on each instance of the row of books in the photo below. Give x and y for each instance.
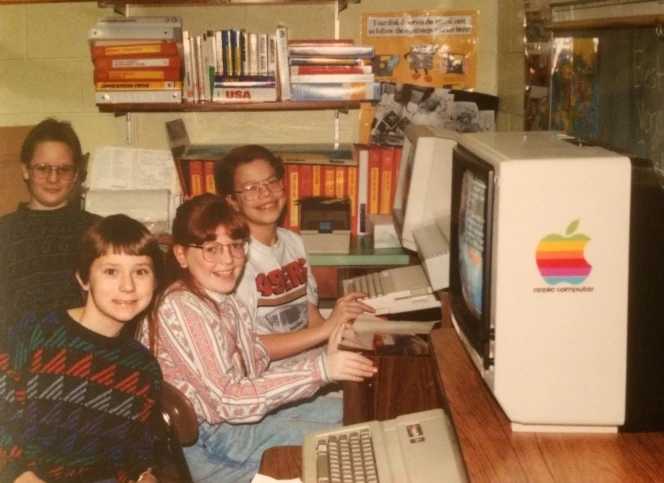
(152, 59)
(221, 64)
(330, 69)
(368, 178)
(137, 59)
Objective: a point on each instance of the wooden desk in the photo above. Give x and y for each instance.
(493, 453)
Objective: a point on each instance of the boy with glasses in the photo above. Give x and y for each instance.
(40, 240)
(277, 284)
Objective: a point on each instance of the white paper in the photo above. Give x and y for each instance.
(113, 168)
(266, 479)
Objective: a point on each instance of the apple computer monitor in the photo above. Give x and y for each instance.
(422, 197)
(556, 269)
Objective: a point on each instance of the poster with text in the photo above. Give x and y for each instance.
(425, 48)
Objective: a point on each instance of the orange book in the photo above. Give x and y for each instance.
(386, 176)
(317, 184)
(397, 165)
(340, 174)
(138, 62)
(374, 180)
(167, 74)
(292, 172)
(139, 48)
(351, 192)
(196, 178)
(328, 174)
(208, 172)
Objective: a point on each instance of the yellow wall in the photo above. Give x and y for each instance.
(45, 69)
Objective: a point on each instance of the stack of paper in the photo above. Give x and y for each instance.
(141, 183)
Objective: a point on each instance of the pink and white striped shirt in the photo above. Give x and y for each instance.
(217, 361)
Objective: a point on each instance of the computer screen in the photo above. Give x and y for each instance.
(556, 247)
(469, 245)
(424, 180)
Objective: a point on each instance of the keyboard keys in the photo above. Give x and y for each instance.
(346, 458)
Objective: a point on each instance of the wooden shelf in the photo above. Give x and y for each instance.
(185, 3)
(120, 109)
(342, 4)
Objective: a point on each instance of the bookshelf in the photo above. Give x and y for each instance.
(121, 109)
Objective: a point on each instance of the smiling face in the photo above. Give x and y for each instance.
(51, 192)
(265, 209)
(120, 287)
(219, 276)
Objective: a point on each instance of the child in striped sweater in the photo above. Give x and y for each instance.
(75, 395)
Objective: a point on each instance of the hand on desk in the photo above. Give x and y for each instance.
(344, 365)
(346, 310)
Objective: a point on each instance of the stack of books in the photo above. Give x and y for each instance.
(331, 69)
(230, 65)
(137, 59)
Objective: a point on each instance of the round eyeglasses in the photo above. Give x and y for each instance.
(41, 171)
(212, 251)
(251, 191)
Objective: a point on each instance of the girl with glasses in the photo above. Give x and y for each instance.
(205, 341)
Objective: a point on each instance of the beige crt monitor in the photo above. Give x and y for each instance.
(424, 184)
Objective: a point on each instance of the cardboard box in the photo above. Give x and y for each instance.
(12, 186)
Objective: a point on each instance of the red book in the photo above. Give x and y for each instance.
(170, 74)
(374, 180)
(351, 192)
(329, 69)
(386, 177)
(208, 172)
(328, 174)
(306, 180)
(293, 194)
(196, 177)
(138, 48)
(138, 62)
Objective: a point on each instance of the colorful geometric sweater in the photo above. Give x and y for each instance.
(38, 251)
(74, 404)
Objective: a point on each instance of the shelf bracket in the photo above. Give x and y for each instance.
(336, 18)
(128, 129)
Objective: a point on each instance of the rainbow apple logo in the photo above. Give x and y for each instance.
(560, 258)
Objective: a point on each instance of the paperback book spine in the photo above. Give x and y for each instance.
(244, 94)
(323, 61)
(244, 81)
(282, 63)
(330, 78)
(172, 74)
(356, 51)
(374, 180)
(329, 69)
(188, 89)
(139, 49)
(138, 85)
(107, 63)
(362, 91)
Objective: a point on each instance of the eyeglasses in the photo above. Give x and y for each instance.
(251, 191)
(212, 251)
(41, 171)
